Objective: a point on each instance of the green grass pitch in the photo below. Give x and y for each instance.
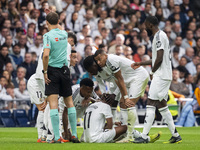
(25, 139)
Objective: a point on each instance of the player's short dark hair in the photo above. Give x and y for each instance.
(52, 18)
(99, 51)
(72, 35)
(73, 51)
(88, 62)
(87, 82)
(153, 20)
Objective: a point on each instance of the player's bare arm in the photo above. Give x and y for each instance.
(109, 123)
(159, 60)
(138, 64)
(45, 64)
(120, 83)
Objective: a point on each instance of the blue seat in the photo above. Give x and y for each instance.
(21, 118)
(6, 118)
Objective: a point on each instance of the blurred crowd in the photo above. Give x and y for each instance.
(116, 26)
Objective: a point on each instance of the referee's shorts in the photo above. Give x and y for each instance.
(60, 81)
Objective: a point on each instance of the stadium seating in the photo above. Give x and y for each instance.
(21, 118)
(6, 118)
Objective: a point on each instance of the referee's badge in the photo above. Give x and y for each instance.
(158, 44)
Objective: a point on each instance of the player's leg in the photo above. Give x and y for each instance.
(45, 123)
(53, 102)
(114, 111)
(164, 111)
(72, 117)
(66, 133)
(120, 132)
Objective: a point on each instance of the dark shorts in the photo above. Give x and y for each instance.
(60, 81)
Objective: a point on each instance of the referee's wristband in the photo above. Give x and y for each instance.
(125, 96)
(151, 73)
(44, 71)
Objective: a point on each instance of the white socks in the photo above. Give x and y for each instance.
(114, 113)
(132, 117)
(45, 123)
(40, 118)
(150, 116)
(124, 116)
(168, 118)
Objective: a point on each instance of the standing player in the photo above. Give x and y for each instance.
(161, 76)
(95, 128)
(57, 75)
(132, 83)
(36, 87)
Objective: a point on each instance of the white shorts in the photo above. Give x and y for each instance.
(36, 90)
(137, 88)
(159, 89)
(104, 137)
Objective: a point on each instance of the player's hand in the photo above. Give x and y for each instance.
(43, 106)
(47, 81)
(129, 103)
(135, 65)
(118, 123)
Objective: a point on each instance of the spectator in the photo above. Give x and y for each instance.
(182, 73)
(9, 68)
(15, 56)
(105, 35)
(140, 53)
(127, 51)
(4, 58)
(119, 51)
(30, 37)
(97, 41)
(19, 32)
(13, 12)
(178, 43)
(22, 94)
(178, 87)
(11, 96)
(22, 43)
(189, 82)
(147, 67)
(89, 19)
(175, 58)
(100, 25)
(74, 24)
(189, 54)
(189, 40)
(197, 47)
(9, 43)
(168, 31)
(191, 66)
(146, 12)
(86, 31)
(34, 14)
(37, 47)
(28, 64)
(8, 77)
(21, 72)
(4, 32)
(42, 14)
(23, 16)
(119, 41)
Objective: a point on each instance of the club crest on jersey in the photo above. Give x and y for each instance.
(158, 44)
(113, 68)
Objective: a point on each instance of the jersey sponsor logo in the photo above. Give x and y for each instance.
(158, 44)
(47, 44)
(56, 39)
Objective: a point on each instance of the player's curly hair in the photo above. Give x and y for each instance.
(153, 20)
(87, 82)
(89, 61)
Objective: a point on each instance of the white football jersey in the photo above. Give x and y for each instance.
(160, 41)
(94, 120)
(109, 77)
(69, 48)
(115, 63)
(77, 100)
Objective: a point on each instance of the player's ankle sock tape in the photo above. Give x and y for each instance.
(72, 120)
(55, 122)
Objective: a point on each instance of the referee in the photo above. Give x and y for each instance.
(57, 75)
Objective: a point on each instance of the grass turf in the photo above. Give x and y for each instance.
(25, 139)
